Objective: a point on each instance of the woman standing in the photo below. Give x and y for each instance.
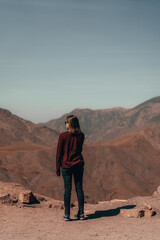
(70, 159)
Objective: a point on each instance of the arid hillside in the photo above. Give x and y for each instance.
(14, 129)
(108, 124)
(123, 168)
(127, 166)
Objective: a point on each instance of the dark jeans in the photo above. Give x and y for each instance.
(77, 172)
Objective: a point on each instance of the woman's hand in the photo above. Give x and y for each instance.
(58, 173)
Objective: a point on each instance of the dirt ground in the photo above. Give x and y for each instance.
(103, 221)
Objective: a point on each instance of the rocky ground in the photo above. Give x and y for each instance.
(116, 219)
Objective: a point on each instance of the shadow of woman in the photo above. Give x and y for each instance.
(108, 213)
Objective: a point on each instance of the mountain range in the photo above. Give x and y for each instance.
(121, 152)
(15, 129)
(108, 124)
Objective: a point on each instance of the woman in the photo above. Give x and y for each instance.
(70, 159)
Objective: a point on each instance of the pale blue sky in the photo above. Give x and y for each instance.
(57, 55)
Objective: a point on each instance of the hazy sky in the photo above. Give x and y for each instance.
(57, 55)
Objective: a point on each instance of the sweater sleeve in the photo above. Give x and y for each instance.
(82, 141)
(59, 154)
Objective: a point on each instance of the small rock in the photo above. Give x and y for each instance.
(59, 206)
(155, 194)
(158, 190)
(136, 213)
(147, 206)
(8, 199)
(56, 206)
(27, 198)
(72, 205)
(50, 205)
(149, 213)
(41, 199)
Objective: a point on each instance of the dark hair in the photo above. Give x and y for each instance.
(73, 124)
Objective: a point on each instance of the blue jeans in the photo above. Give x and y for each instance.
(77, 172)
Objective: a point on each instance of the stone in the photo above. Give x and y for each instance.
(8, 199)
(147, 206)
(136, 213)
(50, 205)
(27, 198)
(58, 206)
(155, 194)
(158, 190)
(149, 213)
(72, 205)
(41, 199)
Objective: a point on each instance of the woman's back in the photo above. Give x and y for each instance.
(69, 149)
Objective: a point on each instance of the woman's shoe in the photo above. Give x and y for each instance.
(79, 216)
(66, 218)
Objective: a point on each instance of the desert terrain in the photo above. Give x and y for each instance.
(122, 169)
(125, 166)
(103, 220)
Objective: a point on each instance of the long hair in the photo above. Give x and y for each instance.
(73, 124)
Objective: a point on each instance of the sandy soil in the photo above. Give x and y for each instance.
(102, 222)
(44, 221)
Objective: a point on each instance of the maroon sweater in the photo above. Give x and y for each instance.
(69, 150)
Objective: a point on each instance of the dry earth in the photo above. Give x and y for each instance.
(103, 221)
(122, 168)
(126, 162)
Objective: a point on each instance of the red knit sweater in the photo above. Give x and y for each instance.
(69, 150)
